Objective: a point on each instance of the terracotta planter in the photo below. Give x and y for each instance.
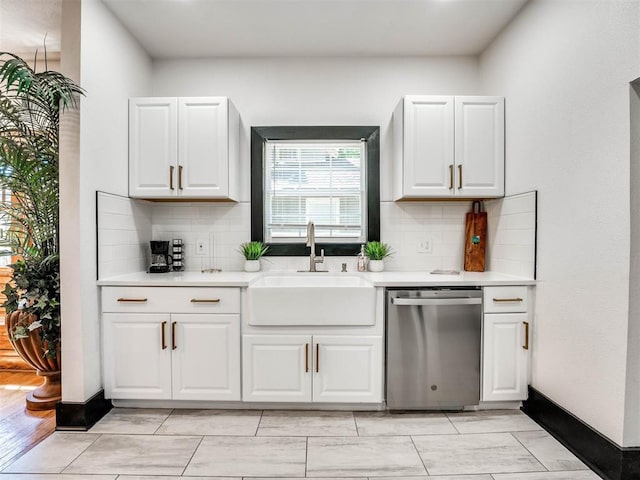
(31, 350)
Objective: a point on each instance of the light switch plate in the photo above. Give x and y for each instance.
(425, 245)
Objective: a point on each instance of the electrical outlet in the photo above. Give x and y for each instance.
(425, 246)
(201, 247)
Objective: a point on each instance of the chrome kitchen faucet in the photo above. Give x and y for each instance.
(311, 242)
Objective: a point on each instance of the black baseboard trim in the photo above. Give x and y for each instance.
(601, 455)
(82, 416)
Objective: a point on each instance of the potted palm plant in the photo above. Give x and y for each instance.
(30, 107)
(252, 252)
(377, 252)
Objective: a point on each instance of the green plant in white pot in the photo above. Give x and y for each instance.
(252, 252)
(377, 252)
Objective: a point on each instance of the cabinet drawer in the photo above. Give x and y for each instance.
(171, 299)
(505, 299)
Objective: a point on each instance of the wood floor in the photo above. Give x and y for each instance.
(20, 429)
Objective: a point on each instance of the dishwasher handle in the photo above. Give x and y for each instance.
(435, 301)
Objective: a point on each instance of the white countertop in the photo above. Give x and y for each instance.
(382, 279)
(425, 279)
(182, 279)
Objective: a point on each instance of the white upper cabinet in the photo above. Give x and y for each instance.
(153, 147)
(183, 148)
(447, 146)
(479, 146)
(423, 132)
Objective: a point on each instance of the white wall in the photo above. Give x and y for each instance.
(322, 91)
(223, 226)
(632, 400)
(111, 67)
(511, 236)
(564, 67)
(124, 231)
(319, 91)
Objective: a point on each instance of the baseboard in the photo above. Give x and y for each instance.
(82, 416)
(601, 455)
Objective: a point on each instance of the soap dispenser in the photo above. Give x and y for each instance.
(362, 260)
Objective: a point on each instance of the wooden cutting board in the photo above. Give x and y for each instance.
(475, 243)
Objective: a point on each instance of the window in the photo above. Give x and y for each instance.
(327, 175)
(323, 182)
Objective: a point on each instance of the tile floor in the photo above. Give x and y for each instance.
(137, 444)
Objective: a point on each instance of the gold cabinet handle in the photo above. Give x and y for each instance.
(459, 177)
(164, 339)
(306, 358)
(516, 299)
(173, 336)
(526, 335)
(317, 357)
(171, 168)
(451, 177)
(180, 177)
(205, 300)
(132, 300)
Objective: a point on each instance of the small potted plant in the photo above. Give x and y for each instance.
(252, 252)
(377, 252)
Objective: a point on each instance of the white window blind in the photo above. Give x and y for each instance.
(319, 181)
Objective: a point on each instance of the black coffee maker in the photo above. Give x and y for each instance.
(160, 258)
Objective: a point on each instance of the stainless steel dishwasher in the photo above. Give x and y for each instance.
(433, 348)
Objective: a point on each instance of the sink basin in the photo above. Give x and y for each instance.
(304, 299)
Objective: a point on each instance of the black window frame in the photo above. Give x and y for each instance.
(369, 134)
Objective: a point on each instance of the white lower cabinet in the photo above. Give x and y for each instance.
(506, 356)
(136, 362)
(172, 356)
(306, 368)
(205, 363)
(347, 369)
(276, 368)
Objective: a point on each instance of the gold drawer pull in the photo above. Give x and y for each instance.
(526, 335)
(132, 300)
(517, 299)
(306, 357)
(205, 300)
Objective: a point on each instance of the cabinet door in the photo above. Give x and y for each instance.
(137, 364)
(479, 146)
(505, 360)
(428, 154)
(276, 368)
(203, 159)
(347, 369)
(153, 147)
(206, 357)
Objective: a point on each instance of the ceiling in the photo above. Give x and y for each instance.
(24, 24)
(232, 28)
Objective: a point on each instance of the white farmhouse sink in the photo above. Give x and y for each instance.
(320, 299)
